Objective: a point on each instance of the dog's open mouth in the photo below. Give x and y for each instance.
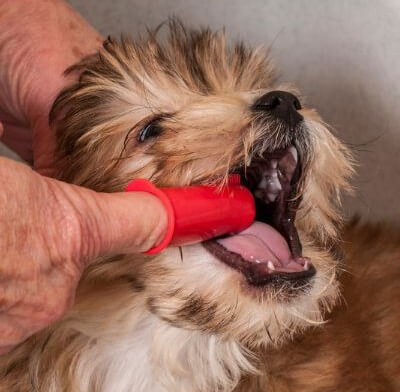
(270, 249)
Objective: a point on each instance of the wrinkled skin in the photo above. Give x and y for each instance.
(33, 57)
(50, 231)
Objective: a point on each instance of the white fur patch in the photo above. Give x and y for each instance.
(157, 357)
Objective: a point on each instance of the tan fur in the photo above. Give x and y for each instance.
(183, 321)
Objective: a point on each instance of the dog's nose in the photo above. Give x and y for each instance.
(282, 105)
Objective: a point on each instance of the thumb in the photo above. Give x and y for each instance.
(50, 231)
(111, 223)
(68, 225)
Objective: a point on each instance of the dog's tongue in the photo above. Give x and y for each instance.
(259, 243)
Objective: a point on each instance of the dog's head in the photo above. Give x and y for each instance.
(191, 110)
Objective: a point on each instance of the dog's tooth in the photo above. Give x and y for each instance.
(274, 185)
(270, 265)
(306, 265)
(263, 183)
(267, 197)
(293, 151)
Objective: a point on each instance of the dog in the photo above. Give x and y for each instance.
(230, 314)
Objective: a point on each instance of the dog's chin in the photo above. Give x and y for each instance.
(202, 292)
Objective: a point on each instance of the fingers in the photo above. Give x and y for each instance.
(18, 139)
(110, 223)
(50, 231)
(30, 82)
(133, 222)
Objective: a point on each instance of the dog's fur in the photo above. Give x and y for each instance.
(183, 321)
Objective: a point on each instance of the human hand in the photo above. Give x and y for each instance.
(38, 41)
(50, 231)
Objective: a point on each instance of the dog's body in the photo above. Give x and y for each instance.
(205, 317)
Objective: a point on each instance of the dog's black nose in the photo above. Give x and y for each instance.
(282, 105)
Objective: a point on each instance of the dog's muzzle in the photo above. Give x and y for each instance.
(270, 250)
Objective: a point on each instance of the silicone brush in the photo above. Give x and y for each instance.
(201, 212)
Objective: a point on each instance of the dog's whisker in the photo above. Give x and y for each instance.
(181, 253)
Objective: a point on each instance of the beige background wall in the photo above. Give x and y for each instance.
(344, 55)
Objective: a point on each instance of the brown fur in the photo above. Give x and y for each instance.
(183, 321)
(358, 349)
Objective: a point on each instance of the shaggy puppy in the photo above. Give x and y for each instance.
(216, 316)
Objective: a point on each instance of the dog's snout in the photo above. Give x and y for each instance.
(282, 105)
(279, 99)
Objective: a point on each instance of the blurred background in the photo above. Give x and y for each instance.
(343, 55)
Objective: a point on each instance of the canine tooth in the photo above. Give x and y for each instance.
(271, 196)
(270, 265)
(293, 151)
(306, 265)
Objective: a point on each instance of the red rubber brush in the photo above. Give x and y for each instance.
(201, 212)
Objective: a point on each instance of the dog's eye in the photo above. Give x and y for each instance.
(152, 129)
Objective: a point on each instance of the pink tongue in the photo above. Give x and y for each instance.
(259, 243)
